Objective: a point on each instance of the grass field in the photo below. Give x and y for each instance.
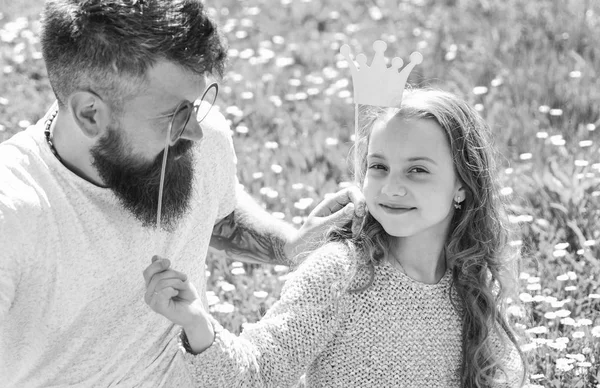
(531, 68)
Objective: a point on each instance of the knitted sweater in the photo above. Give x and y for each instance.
(396, 333)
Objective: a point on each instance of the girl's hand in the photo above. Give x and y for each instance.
(171, 294)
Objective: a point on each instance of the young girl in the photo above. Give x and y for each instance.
(414, 299)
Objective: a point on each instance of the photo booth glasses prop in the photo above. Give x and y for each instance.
(184, 111)
(201, 107)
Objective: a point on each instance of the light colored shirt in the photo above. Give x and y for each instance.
(397, 333)
(72, 311)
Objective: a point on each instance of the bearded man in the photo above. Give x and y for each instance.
(79, 193)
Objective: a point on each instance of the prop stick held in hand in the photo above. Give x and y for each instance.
(377, 85)
(162, 180)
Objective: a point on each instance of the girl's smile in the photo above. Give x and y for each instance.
(395, 209)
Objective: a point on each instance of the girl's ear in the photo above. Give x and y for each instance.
(460, 194)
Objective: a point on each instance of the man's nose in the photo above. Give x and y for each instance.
(193, 130)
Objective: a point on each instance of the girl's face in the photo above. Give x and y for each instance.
(410, 184)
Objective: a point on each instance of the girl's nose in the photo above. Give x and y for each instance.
(394, 190)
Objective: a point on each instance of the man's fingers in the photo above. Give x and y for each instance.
(357, 223)
(341, 218)
(333, 203)
(328, 206)
(358, 199)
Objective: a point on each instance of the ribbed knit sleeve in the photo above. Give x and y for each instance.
(276, 351)
(511, 363)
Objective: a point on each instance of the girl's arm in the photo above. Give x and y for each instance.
(513, 374)
(277, 350)
(169, 293)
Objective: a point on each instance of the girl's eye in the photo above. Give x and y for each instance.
(418, 170)
(377, 166)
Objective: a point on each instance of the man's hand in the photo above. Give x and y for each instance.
(339, 209)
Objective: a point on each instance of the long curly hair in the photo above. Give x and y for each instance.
(484, 273)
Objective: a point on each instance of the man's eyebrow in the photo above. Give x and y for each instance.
(168, 112)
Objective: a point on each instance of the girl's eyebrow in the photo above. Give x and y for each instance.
(420, 158)
(375, 155)
(411, 159)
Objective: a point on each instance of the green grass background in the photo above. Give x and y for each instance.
(531, 68)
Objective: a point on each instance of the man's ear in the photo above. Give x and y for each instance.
(90, 113)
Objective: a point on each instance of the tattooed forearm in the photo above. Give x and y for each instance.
(252, 234)
(238, 240)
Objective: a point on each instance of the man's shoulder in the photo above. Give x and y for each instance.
(216, 128)
(20, 143)
(21, 147)
(216, 143)
(215, 155)
(19, 165)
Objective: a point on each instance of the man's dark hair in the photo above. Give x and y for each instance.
(108, 46)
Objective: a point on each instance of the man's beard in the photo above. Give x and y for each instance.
(136, 183)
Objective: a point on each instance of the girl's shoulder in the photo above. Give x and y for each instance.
(334, 249)
(331, 254)
(333, 261)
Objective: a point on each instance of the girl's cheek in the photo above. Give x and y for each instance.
(370, 192)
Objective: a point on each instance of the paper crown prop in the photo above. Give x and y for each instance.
(378, 84)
